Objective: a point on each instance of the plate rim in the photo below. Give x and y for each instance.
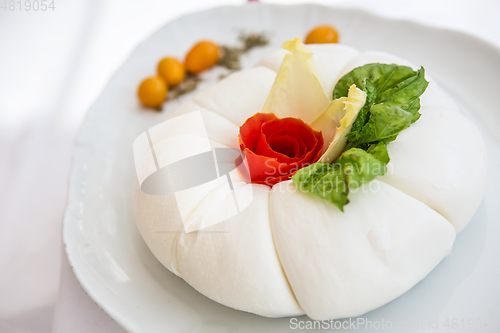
(73, 198)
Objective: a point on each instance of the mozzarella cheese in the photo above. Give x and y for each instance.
(288, 252)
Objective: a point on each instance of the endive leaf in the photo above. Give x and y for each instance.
(336, 121)
(297, 90)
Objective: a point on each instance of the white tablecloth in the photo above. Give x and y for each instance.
(53, 64)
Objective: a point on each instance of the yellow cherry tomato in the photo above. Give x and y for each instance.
(322, 34)
(152, 92)
(202, 56)
(171, 71)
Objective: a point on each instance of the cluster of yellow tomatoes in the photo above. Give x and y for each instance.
(171, 72)
(153, 90)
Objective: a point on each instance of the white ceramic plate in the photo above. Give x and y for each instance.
(117, 270)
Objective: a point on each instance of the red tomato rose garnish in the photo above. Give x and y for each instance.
(276, 148)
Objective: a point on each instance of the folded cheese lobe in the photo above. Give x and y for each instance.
(218, 128)
(160, 216)
(440, 160)
(331, 59)
(235, 262)
(433, 95)
(159, 222)
(343, 264)
(238, 96)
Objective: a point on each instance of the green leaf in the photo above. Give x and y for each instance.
(324, 180)
(359, 76)
(364, 113)
(392, 91)
(392, 78)
(379, 151)
(360, 167)
(406, 94)
(333, 182)
(385, 122)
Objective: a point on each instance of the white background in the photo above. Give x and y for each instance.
(53, 65)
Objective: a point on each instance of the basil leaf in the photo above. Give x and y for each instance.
(360, 75)
(392, 92)
(384, 123)
(333, 182)
(406, 94)
(364, 113)
(379, 151)
(360, 167)
(324, 180)
(394, 77)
